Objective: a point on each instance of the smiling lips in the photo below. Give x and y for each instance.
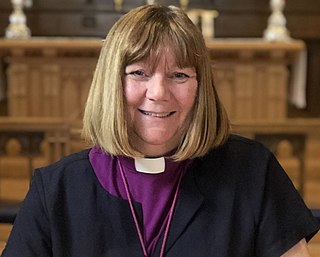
(157, 114)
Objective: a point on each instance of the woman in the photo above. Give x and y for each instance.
(164, 177)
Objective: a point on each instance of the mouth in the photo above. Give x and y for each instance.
(157, 114)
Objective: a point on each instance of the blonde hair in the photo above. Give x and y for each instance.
(134, 37)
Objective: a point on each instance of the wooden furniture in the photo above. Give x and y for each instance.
(237, 19)
(48, 77)
(25, 144)
(51, 77)
(253, 76)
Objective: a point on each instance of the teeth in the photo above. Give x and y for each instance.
(158, 115)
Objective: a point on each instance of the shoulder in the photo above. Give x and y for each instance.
(68, 161)
(238, 167)
(72, 177)
(238, 161)
(238, 153)
(71, 166)
(243, 146)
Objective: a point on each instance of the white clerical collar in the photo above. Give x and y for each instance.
(150, 165)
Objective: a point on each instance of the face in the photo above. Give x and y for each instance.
(159, 97)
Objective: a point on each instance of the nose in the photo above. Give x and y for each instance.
(158, 88)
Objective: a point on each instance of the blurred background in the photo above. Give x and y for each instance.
(265, 56)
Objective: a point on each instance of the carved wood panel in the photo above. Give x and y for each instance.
(26, 144)
(246, 18)
(48, 87)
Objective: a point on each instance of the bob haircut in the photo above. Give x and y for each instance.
(134, 37)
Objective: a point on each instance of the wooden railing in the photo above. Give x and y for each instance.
(25, 144)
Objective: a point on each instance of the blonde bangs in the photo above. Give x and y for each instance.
(153, 31)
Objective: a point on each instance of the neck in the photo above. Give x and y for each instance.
(150, 150)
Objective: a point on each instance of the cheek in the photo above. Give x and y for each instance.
(133, 94)
(187, 97)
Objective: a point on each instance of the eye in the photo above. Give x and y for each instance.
(180, 77)
(137, 75)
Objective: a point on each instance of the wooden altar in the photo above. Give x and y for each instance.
(49, 78)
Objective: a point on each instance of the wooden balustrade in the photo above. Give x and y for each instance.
(25, 144)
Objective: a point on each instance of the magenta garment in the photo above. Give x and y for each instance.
(154, 192)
